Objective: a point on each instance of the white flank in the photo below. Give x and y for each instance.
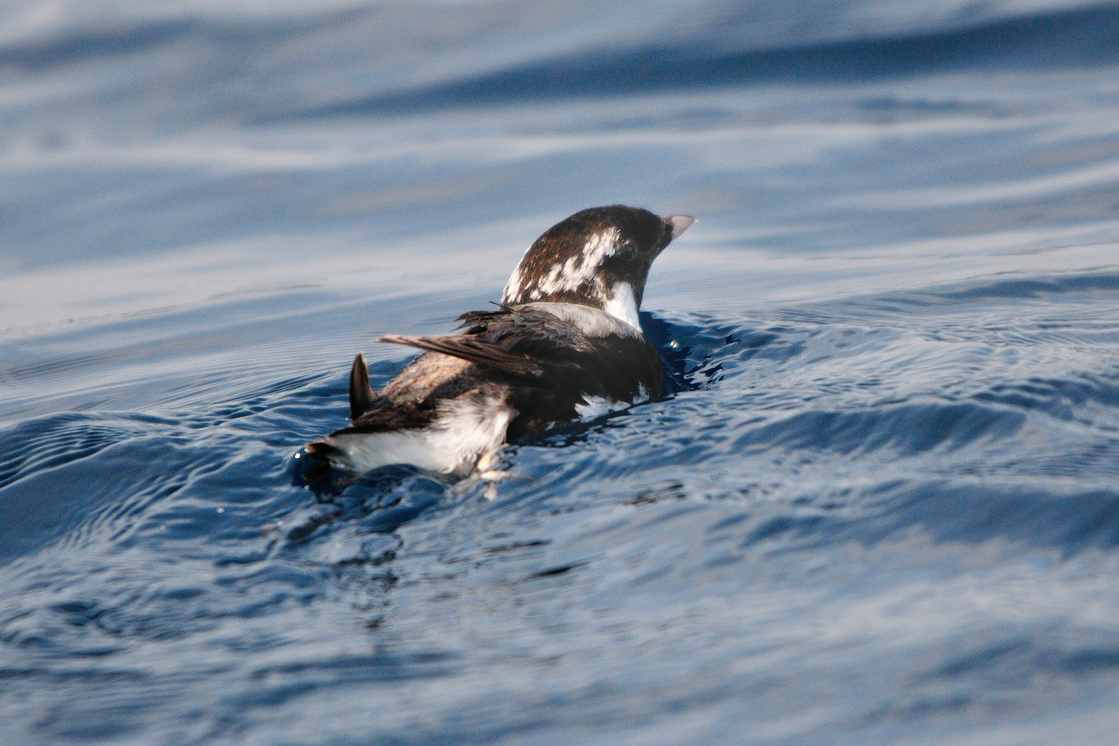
(468, 429)
(464, 431)
(594, 407)
(360, 452)
(623, 305)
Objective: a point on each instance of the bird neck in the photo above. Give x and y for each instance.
(622, 305)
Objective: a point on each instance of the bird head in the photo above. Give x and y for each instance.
(598, 257)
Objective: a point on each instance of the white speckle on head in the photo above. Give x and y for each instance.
(513, 287)
(622, 305)
(563, 276)
(598, 247)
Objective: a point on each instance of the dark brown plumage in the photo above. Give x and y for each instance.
(565, 343)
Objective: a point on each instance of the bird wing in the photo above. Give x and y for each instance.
(472, 349)
(562, 358)
(519, 341)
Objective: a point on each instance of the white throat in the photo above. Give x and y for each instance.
(623, 305)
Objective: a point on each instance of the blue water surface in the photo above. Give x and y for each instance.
(880, 505)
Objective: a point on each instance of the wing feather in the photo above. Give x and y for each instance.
(562, 355)
(472, 349)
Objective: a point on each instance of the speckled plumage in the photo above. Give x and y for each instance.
(565, 343)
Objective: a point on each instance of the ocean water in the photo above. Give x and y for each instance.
(880, 505)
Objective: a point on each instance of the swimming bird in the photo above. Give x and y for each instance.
(564, 344)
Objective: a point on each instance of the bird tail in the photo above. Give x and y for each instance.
(361, 394)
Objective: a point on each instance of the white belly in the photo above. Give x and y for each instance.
(464, 431)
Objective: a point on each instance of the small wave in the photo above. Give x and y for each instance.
(98, 38)
(1075, 38)
(902, 429)
(1028, 288)
(721, 45)
(1072, 521)
(47, 443)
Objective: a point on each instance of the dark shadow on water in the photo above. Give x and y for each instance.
(692, 352)
(674, 355)
(379, 500)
